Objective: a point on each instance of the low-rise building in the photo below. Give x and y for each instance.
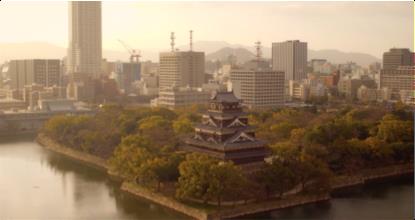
(148, 85)
(348, 86)
(7, 104)
(81, 91)
(365, 94)
(298, 90)
(407, 97)
(173, 97)
(125, 74)
(321, 66)
(56, 105)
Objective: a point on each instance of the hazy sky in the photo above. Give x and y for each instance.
(370, 27)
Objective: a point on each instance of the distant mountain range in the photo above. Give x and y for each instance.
(213, 49)
(42, 50)
(244, 53)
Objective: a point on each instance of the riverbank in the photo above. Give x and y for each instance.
(202, 212)
(85, 158)
(165, 201)
(207, 213)
(4, 134)
(371, 175)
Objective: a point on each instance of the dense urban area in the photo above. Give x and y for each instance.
(229, 127)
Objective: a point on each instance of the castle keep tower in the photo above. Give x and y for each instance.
(225, 133)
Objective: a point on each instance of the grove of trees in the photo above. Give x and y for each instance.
(308, 148)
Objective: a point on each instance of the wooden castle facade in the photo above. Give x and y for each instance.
(225, 133)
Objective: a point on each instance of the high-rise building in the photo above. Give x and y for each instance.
(258, 88)
(398, 79)
(27, 72)
(396, 57)
(182, 68)
(85, 39)
(291, 58)
(126, 74)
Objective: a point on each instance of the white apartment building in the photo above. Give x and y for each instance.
(181, 96)
(258, 88)
(398, 79)
(366, 94)
(182, 69)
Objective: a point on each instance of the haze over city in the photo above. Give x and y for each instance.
(207, 110)
(365, 27)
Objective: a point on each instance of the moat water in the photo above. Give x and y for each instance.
(39, 184)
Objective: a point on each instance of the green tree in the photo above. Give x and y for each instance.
(157, 129)
(226, 180)
(194, 180)
(159, 170)
(130, 155)
(314, 175)
(282, 130)
(276, 177)
(203, 177)
(182, 126)
(392, 129)
(380, 153)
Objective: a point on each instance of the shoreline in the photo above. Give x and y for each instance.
(372, 175)
(88, 159)
(339, 183)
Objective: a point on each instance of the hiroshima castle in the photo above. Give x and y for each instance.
(225, 133)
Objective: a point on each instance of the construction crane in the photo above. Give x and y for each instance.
(134, 55)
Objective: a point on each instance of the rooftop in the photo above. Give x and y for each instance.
(225, 97)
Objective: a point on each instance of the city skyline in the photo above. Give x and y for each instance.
(358, 26)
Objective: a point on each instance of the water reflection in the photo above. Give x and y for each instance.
(38, 184)
(391, 200)
(51, 186)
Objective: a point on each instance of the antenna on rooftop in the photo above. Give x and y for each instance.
(172, 37)
(191, 40)
(258, 50)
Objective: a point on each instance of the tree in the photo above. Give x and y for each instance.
(226, 180)
(347, 155)
(159, 170)
(282, 130)
(402, 151)
(276, 177)
(205, 178)
(195, 176)
(297, 136)
(314, 175)
(157, 129)
(182, 126)
(380, 153)
(130, 155)
(392, 129)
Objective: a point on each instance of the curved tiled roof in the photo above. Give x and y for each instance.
(225, 97)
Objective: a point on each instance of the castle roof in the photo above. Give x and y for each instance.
(225, 97)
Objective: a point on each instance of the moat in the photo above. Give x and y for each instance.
(39, 184)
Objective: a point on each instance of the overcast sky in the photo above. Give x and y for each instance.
(369, 27)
